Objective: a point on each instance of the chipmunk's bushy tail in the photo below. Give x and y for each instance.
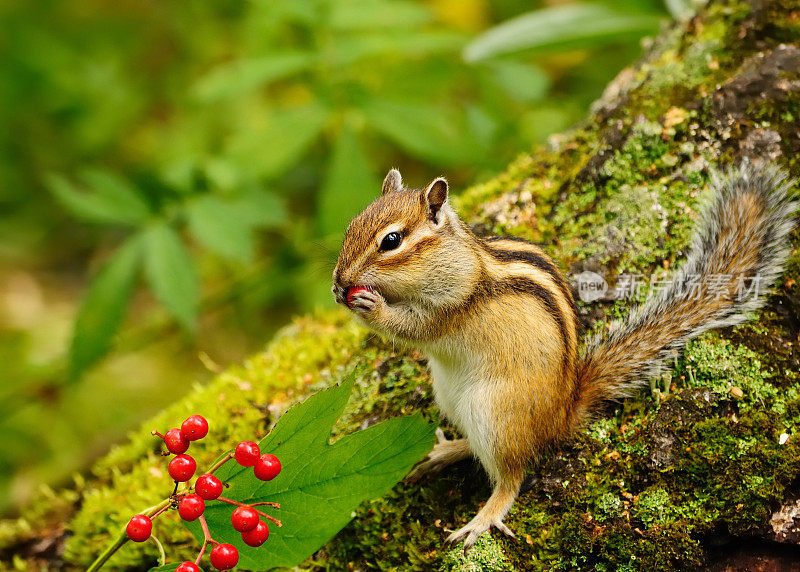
(738, 251)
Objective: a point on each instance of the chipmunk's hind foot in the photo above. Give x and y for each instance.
(477, 526)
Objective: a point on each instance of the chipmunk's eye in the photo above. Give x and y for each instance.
(391, 241)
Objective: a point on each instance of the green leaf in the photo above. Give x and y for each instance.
(165, 567)
(274, 144)
(559, 28)
(374, 14)
(171, 273)
(260, 208)
(219, 226)
(525, 83)
(110, 200)
(226, 226)
(353, 48)
(104, 306)
(350, 184)
(320, 484)
(235, 78)
(430, 132)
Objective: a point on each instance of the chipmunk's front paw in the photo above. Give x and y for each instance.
(477, 526)
(444, 453)
(366, 303)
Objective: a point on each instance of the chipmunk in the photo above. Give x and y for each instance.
(499, 326)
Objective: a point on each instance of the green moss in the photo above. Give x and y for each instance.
(609, 506)
(653, 506)
(650, 480)
(239, 404)
(485, 556)
(720, 365)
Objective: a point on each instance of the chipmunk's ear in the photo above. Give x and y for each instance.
(393, 182)
(435, 196)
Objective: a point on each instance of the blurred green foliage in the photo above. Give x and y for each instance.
(211, 152)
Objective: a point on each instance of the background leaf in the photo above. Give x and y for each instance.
(171, 273)
(350, 184)
(240, 76)
(103, 307)
(373, 14)
(218, 226)
(425, 130)
(320, 484)
(559, 28)
(268, 145)
(525, 83)
(109, 200)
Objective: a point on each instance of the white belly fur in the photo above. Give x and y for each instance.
(464, 398)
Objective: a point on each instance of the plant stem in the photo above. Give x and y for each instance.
(163, 556)
(206, 539)
(267, 503)
(219, 463)
(108, 552)
(123, 537)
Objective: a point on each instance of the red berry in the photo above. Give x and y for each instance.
(188, 567)
(182, 467)
(208, 487)
(353, 290)
(257, 536)
(176, 442)
(224, 556)
(244, 518)
(194, 428)
(191, 507)
(247, 453)
(139, 528)
(267, 467)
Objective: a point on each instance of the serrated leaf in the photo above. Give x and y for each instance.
(171, 273)
(104, 306)
(235, 78)
(559, 28)
(109, 200)
(320, 484)
(350, 184)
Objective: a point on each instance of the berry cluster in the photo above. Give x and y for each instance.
(246, 519)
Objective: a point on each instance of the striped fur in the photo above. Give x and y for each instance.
(500, 328)
(743, 232)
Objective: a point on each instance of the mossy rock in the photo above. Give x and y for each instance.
(656, 482)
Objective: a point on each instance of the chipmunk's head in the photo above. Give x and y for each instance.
(399, 244)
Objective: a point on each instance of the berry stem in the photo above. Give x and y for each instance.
(159, 511)
(162, 559)
(219, 463)
(265, 515)
(206, 539)
(123, 537)
(157, 434)
(267, 503)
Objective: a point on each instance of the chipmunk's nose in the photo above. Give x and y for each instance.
(340, 294)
